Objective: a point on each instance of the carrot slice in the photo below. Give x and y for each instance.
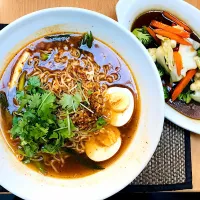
(151, 32)
(183, 83)
(172, 36)
(170, 29)
(177, 21)
(178, 61)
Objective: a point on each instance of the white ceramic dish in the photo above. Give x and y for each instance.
(129, 10)
(28, 184)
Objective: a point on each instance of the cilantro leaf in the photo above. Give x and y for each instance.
(34, 81)
(100, 123)
(70, 102)
(35, 101)
(90, 92)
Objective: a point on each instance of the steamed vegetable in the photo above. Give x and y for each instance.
(178, 62)
(172, 36)
(164, 55)
(183, 83)
(187, 54)
(153, 35)
(170, 29)
(143, 35)
(185, 96)
(177, 21)
(152, 52)
(166, 92)
(160, 69)
(196, 96)
(195, 87)
(161, 59)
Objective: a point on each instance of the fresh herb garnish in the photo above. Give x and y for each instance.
(90, 92)
(71, 102)
(36, 123)
(100, 123)
(82, 93)
(44, 56)
(87, 39)
(40, 167)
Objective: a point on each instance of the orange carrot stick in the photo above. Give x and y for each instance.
(178, 61)
(151, 32)
(170, 29)
(177, 21)
(183, 83)
(172, 36)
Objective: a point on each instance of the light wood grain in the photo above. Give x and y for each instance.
(13, 9)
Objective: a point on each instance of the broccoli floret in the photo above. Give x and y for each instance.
(198, 52)
(166, 92)
(160, 69)
(143, 35)
(185, 96)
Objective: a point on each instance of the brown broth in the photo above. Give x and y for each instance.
(103, 55)
(190, 110)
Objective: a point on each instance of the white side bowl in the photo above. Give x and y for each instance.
(129, 10)
(28, 184)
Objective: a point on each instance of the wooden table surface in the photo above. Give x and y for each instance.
(13, 9)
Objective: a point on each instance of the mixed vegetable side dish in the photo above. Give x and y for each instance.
(175, 49)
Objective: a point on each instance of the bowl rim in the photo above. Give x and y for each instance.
(127, 180)
(124, 14)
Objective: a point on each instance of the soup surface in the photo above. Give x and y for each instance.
(187, 102)
(69, 105)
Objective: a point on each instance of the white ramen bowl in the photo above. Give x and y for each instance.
(28, 184)
(127, 13)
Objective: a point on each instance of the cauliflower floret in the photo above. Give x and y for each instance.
(197, 76)
(187, 53)
(197, 60)
(173, 43)
(160, 57)
(196, 87)
(152, 52)
(196, 96)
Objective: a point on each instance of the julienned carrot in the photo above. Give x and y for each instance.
(183, 83)
(178, 61)
(151, 32)
(170, 29)
(177, 21)
(172, 36)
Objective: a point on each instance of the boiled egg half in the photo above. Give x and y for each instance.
(120, 102)
(104, 144)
